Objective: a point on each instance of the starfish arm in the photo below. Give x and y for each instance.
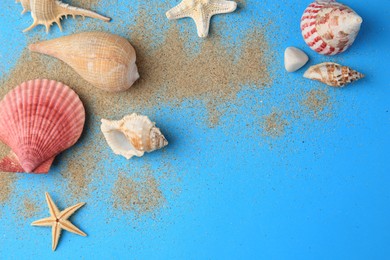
(222, 7)
(56, 233)
(52, 207)
(180, 11)
(68, 226)
(44, 222)
(66, 213)
(202, 21)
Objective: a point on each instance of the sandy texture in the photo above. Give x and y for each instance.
(274, 124)
(28, 208)
(7, 181)
(140, 193)
(211, 72)
(317, 101)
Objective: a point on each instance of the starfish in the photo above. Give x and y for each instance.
(59, 220)
(201, 12)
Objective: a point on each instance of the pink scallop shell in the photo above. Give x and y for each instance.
(38, 120)
(329, 28)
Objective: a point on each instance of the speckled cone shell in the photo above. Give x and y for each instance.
(133, 135)
(38, 120)
(330, 28)
(333, 74)
(105, 60)
(47, 12)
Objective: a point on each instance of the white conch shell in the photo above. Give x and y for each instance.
(105, 60)
(333, 74)
(294, 59)
(47, 12)
(133, 135)
(330, 28)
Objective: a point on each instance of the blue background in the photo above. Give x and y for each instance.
(318, 193)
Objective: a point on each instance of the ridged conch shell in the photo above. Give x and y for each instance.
(105, 60)
(330, 28)
(38, 120)
(133, 135)
(47, 12)
(333, 74)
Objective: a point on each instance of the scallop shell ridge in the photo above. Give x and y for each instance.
(39, 119)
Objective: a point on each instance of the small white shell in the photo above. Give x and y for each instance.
(294, 59)
(133, 135)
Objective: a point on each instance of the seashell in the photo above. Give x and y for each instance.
(47, 12)
(333, 74)
(11, 163)
(330, 28)
(105, 60)
(133, 135)
(294, 59)
(38, 120)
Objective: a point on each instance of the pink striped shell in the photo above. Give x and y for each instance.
(38, 120)
(329, 28)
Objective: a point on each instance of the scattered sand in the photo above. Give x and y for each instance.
(317, 101)
(7, 181)
(274, 124)
(79, 173)
(169, 75)
(88, 4)
(171, 72)
(140, 193)
(28, 208)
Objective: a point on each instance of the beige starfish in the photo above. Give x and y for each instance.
(201, 12)
(59, 220)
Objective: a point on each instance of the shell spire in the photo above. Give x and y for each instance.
(47, 12)
(333, 74)
(105, 60)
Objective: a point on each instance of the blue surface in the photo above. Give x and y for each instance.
(321, 192)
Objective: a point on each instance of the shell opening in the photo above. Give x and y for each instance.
(133, 135)
(120, 141)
